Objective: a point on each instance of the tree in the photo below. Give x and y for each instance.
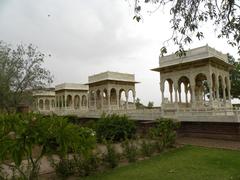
(150, 104)
(188, 16)
(20, 70)
(235, 77)
(138, 104)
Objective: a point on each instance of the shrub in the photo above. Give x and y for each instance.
(86, 165)
(111, 157)
(146, 148)
(65, 168)
(87, 141)
(165, 131)
(72, 119)
(158, 145)
(129, 150)
(115, 127)
(90, 124)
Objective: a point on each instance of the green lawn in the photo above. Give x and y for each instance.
(189, 162)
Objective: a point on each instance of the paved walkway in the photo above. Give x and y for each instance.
(216, 143)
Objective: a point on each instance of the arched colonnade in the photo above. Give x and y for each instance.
(70, 101)
(196, 90)
(45, 104)
(112, 98)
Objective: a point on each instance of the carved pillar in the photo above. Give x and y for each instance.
(117, 94)
(60, 101)
(210, 91)
(79, 103)
(176, 94)
(186, 91)
(72, 100)
(162, 92)
(217, 88)
(134, 98)
(192, 89)
(108, 97)
(171, 91)
(229, 90)
(38, 107)
(95, 100)
(50, 104)
(65, 100)
(87, 102)
(44, 107)
(126, 100)
(101, 100)
(57, 103)
(224, 92)
(214, 89)
(179, 94)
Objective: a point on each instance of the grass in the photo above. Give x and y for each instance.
(188, 162)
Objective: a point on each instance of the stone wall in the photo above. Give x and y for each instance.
(215, 130)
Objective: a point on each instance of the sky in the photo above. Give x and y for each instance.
(89, 37)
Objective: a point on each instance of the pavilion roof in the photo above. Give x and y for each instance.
(111, 76)
(71, 86)
(192, 55)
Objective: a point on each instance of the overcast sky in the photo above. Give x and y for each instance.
(89, 37)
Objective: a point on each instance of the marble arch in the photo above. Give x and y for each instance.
(76, 102)
(183, 80)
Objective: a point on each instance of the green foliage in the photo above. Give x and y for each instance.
(130, 150)
(86, 165)
(20, 70)
(165, 131)
(21, 133)
(158, 145)
(79, 165)
(188, 18)
(115, 127)
(90, 124)
(111, 157)
(146, 147)
(150, 104)
(72, 119)
(65, 168)
(138, 104)
(234, 77)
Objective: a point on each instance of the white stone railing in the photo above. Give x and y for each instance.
(202, 114)
(135, 114)
(219, 115)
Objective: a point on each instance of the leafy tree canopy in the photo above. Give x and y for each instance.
(138, 104)
(150, 104)
(20, 70)
(235, 77)
(187, 16)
